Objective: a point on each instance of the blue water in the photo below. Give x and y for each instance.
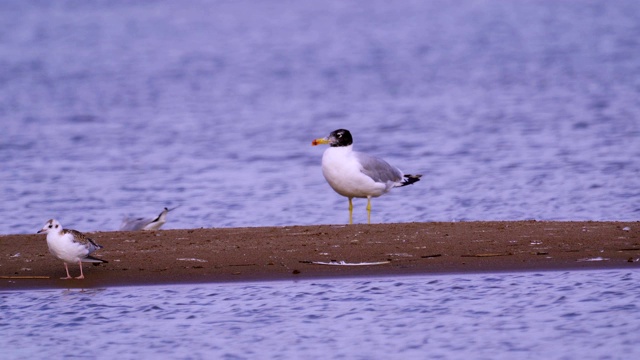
(550, 315)
(510, 110)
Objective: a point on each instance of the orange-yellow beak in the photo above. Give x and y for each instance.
(319, 141)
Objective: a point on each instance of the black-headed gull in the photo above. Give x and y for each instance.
(355, 174)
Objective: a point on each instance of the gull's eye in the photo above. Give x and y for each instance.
(50, 226)
(56, 226)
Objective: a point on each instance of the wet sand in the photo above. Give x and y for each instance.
(305, 252)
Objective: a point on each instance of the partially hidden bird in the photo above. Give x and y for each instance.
(134, 224)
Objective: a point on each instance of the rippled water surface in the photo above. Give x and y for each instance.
(551, 315)
(510, 110)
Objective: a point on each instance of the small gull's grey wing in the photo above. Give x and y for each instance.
(378, 169)
(82, 239)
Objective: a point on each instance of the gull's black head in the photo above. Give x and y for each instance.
(340, 137)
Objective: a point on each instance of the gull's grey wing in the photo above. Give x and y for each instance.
(378, 169)
(81, 238)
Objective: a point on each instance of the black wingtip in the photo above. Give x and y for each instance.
(97, 263)
(410, 179)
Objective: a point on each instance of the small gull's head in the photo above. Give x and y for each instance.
(51, 226)
(340, 137)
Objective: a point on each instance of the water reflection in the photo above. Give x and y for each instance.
(582, 314)
(112, 109)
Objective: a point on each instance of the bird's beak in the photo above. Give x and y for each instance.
(319, 141)
(40, 231)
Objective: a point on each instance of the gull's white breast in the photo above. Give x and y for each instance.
(64, 248)
(343, 172)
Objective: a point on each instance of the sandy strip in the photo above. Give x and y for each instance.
(325, 251)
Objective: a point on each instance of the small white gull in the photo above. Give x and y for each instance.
(70, 246)
(356, 174)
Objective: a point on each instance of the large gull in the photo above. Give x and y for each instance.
(356, 174)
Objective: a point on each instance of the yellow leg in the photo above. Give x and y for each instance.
(350, 212)
(368, 209)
